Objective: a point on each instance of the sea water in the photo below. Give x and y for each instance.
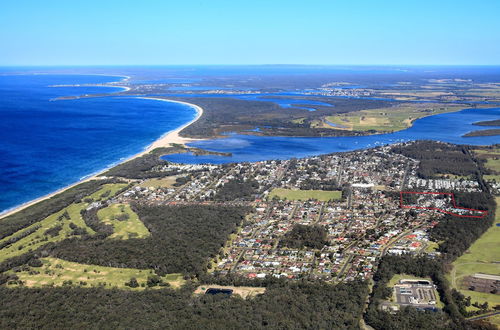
(46, 145)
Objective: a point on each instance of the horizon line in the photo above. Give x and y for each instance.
(218, 64)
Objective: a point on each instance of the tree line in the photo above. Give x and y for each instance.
(439, 158)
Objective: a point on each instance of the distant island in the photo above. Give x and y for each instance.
(485, 132)
(488, 123)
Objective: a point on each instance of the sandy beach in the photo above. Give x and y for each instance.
(173, 136)
(164, 141)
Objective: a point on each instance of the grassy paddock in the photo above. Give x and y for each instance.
(303, 195)
(482, 257)
(494, 320)
(58, 272)
(167, 182)
(389, 119)
(492, 157)
(492, 177)
(125, 222)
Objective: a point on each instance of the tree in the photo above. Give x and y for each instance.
(132, 283)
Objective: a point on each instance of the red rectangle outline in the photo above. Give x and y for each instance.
(484, 213)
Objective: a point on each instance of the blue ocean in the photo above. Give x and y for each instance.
(46, 145)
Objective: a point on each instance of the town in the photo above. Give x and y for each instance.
(352, 200)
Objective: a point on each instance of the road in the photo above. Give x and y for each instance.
(344, 267)
(405, 177)
(484, 316)
(397, 238)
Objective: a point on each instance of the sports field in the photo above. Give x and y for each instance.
(303, 195)
(166, 182)
(58, 272)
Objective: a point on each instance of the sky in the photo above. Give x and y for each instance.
(151, 32)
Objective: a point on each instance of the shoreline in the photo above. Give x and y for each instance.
(165, 140)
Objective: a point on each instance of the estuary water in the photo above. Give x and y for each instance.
(46, 145)
(448, 127)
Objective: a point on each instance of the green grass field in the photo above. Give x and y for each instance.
(492, 177)
(304, 195)
(38, 237)
(492, 299)
(67, 220)
(129, 227)
(495, 320)
(431, 247)
(107, 191)
(389, 119)
(482, 257)
(166, 182)
(58, 272)
(492, 162)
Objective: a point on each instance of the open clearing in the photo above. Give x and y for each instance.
(388, 119)
(243, 291)
(303, 195)
(494, 320)
(482, 257)
(107, 191)
(166, 182)
(58, 272)
(492, 157)
(125, 222)
(54, 228)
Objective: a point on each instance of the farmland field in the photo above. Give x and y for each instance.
(388, 119)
